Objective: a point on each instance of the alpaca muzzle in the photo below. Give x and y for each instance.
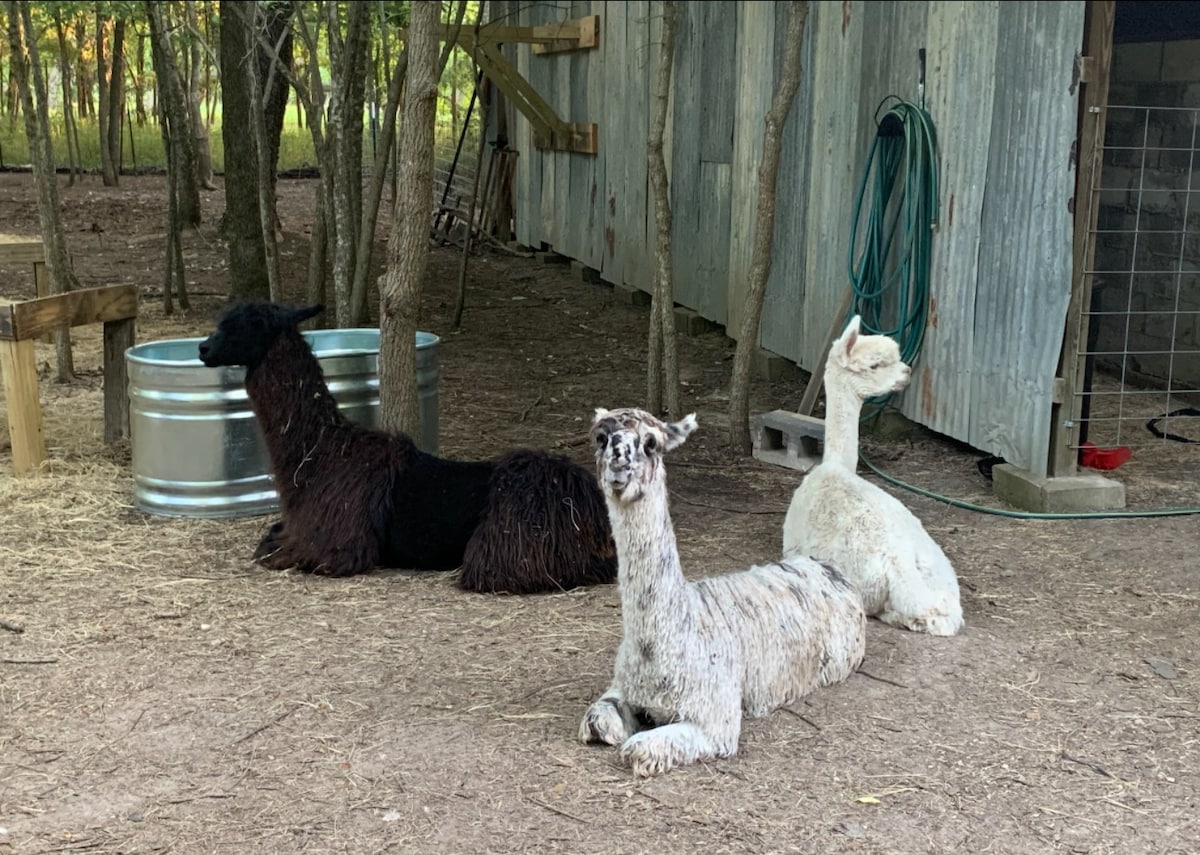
(617, 475)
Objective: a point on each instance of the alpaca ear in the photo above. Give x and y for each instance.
(678, 432)
(850, 336)
(599, 414)
(299, 316)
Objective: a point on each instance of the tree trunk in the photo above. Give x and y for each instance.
(764, 228)
(317, 257)
(75, 160)
(83, 81)
(408, 247)
(24, 55)
(662, 378)
(108, 169)
(483, 89)
(261, 147)
(173, 111)
(347, 59)
(116, 98)
(386, 151)
(210, 99)
(139, 81)
(242, 229)
(383, 154)
(204, 167)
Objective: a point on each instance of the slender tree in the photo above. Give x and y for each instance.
(182, 192)
(70, 128)
(764, 227)
(242, 53)
(26, 64)
(195, 66)
(108, 168)
(173, 113)
(408, 246)
(261, 146)
(116, 98)
(663, 363)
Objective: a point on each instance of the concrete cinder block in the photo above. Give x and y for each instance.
(690, 323)
(585, 273)
(784, 438)
(771, 366)
(1069, 494)
(630, 296)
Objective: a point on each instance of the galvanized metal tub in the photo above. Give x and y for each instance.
(197, 447)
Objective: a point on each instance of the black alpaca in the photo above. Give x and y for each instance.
(353, 498)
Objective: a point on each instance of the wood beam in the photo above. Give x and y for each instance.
(550, 132)
(579, 34)
(30, 318)
(1094, 67)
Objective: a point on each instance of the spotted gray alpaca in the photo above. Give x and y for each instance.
(695, 657)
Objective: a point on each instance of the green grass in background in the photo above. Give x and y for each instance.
(146, 149)
(295, 146)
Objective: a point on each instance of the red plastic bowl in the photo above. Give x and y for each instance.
(1103, 458)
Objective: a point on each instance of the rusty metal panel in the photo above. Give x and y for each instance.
(614, 146)
(527, 182)
(702, 126)
(940, 398)
(786, 300)
(633, 132)
(1024, 278)
(755, 84)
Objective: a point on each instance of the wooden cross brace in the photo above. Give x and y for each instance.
(116, 307)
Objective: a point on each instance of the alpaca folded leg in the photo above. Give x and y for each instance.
(655, 751)
(267, 553)
(924, 602)
(609, 720)
(931, 620)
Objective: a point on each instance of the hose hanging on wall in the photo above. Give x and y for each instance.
(889, 263)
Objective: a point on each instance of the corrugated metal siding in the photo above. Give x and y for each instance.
(998, 90)
(1025, 260)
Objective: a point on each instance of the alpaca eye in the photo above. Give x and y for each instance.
(601, 440)
(650, 444)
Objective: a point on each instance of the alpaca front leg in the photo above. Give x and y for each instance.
(270, 544)
(655, 751)
(609, 720)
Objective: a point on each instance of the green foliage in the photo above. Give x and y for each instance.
(296, 149)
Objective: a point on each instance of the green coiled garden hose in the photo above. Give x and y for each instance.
(889, 264)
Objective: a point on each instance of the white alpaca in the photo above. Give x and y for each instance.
(903, 576)
(695, 656)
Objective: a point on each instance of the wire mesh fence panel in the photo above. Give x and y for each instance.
(1141, 384)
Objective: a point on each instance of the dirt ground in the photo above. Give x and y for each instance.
(168, 695)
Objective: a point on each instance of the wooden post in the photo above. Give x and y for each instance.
(24, 409)
(118, 337)
(41, 279)
(115, 307)
(41, 287)
(808, 402)
(1093, 102)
